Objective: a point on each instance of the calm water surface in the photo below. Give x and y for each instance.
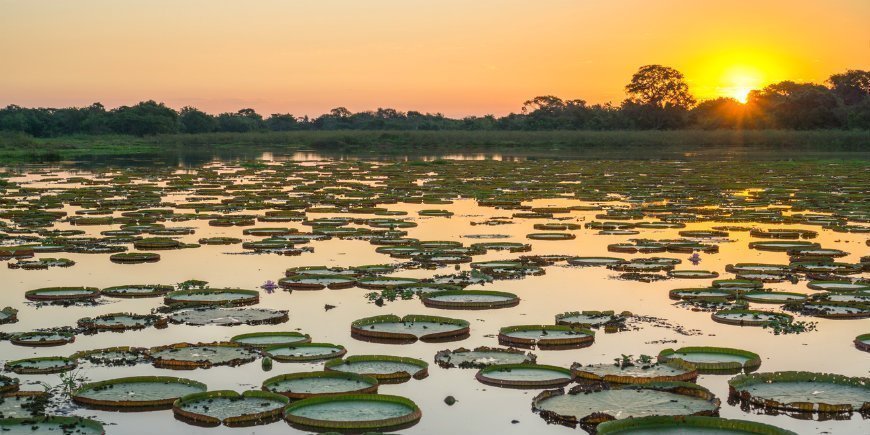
(480, 409)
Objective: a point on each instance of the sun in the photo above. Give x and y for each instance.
(739, 80)
(741, 93)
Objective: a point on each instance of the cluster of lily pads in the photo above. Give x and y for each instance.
(138, 219)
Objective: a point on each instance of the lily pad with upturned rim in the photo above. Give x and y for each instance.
(525, 376)
(269, 339)
(588, 407)
(712, 360)
(212, 408)
(353, 412)
(326, 383)
(135, 393)
(546, 336)
(305, 352)
(688, 424)
(802, 392)
(384, 368)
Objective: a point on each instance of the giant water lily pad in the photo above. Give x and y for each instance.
(802, 391)
(137, 291)
(384, 368)
(470, 300)
(230, 408)
(316, 282)
(353, 412)
(112, 356)
(525, 376)
(229, 316)
(692, 274)
(138, 392)
(62, 294)
(42, 338)
(589, 407)
(213, 297)
(783, 246)
(51, 426)
(712, 359)
(545, 336)
(22, 404)
(634, 373)
(204, 355)
(8, 384)
(409, 328)
(41, 365)
(839, 286)
(749, 317)
(269, 339)
(327, 383)
(121, 321)
(8, 315)
(763, 297)
(673, 425)
(591, 319)
(595, 261)
(303, 352)
(482, 357)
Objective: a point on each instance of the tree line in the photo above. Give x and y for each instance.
(658, 97)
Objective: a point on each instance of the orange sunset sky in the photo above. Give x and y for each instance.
(458, 57)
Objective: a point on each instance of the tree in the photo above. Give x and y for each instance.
(799, 106)
(193, 120)
(658, 98)
(659, 86)
(240, 122)
(145, 118)
(852, 87)
(282, 122)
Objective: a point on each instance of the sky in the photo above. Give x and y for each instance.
(457, 57)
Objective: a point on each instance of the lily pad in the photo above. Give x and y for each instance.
(311, 384)
(230, 408)
(384, 368)
(353, 412)
(712, 360)
(525, 376)
(202, 355)
(136, 393)
(410, 328)
(305, 352)
(229, 316)
(269, 339)
(481, 357)
(802, 391)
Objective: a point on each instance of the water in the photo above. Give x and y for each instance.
(480, 409)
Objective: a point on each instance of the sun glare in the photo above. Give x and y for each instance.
(739, 80)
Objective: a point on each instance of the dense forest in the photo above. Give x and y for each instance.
(658, 98)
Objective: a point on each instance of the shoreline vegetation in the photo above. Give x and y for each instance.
(659, 118)
(639, 144)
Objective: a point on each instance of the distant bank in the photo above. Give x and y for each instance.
(779, 144)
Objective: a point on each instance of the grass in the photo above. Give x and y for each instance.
(15, 147)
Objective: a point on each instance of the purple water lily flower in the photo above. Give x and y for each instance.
(269, 286)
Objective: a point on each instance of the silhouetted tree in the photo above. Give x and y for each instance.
(658, 97)
(193, 120)
(852, 86)
(282, 122)
(145, 118)
(799, 106)
(240, 122)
